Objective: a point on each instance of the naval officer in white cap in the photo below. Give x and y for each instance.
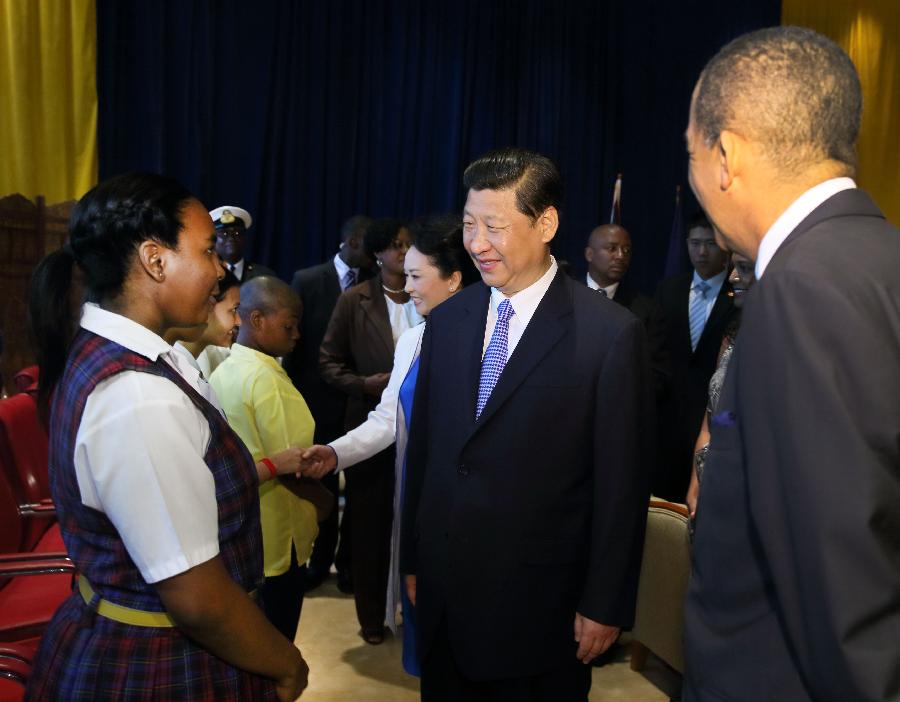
(231, 224)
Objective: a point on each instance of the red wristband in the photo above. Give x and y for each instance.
(271, 466)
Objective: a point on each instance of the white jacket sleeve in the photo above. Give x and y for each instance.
(379, 430)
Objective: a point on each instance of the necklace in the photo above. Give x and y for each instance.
(391, 290)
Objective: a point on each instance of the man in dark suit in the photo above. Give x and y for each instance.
(319, 288)
(231, 223)
(526, 490)
(697, 308)
(608, 255)
(796, 578)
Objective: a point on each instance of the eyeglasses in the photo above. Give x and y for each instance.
(229, 233)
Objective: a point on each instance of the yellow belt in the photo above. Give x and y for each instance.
(127, 615)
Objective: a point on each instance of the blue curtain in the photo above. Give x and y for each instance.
(305, 113)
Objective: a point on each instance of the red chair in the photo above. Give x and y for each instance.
(26, 380)
(34, 582)
(23, 459)
(15, 668)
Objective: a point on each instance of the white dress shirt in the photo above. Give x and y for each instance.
(715, 287)
(524, 303)
(380, 428)
(798, 210)
(139, 456)
(610, 290)
(236, 268)
(342, 270)
(401, 316)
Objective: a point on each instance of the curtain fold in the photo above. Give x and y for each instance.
(869, 31)
(308, 112)
(48, 98)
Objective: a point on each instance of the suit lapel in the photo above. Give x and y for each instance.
(470, 336)
(721, 307)
(544, 331)
(330, 280)
(844, 203)
(375, 308)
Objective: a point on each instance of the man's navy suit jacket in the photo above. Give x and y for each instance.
(514, 522)
(795, 593)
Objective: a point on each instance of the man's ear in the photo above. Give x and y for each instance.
(256, 319)
(548, 222)
(731, 156)
(152, 257)
(588, 254)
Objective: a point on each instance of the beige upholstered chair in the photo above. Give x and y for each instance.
(665, 570)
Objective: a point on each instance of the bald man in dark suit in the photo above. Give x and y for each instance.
(795, 593)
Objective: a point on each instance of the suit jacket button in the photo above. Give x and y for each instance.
(462, 470)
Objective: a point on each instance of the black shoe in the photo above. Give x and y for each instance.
(313, 578)
(345, 582)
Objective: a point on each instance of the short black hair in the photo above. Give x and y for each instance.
(380, 235)
(440, 237)
(699, 219)
(790, 89)
(228, 282)
(357, 224)
(535, 177)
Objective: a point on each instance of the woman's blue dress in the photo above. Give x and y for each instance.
(410, 649)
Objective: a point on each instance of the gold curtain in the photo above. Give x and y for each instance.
(869, 31)
(48, 98)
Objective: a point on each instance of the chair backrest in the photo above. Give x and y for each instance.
(10, 521)
(665, 569)
(24, 449)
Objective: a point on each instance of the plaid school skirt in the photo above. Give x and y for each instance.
(84, 656)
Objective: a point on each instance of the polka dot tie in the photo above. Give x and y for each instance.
(495, 356)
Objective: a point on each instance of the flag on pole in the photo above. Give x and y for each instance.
(615, 212)
(675, 256)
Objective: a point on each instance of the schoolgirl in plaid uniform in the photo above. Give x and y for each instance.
(159, 613)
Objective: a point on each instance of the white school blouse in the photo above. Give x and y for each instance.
(139, 456)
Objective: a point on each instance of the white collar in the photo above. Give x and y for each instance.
(180, 348)
(526, 301)
(798, 210)
(123, 331)
(340, 267)
(714, 283)
(610, 290)
(238, 269)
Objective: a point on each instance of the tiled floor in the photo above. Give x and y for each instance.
(343, 668)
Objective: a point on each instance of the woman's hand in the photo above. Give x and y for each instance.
(410, 581)
(692, 494)
(290, 687)
(318, 461)
(374, 385)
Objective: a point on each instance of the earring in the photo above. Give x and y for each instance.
(452, 288)
(379, 262)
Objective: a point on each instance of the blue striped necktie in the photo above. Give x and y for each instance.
(697, 312)
(495, 355)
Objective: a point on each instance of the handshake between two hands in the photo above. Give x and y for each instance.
(316, 461)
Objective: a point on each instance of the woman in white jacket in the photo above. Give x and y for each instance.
(437, 266)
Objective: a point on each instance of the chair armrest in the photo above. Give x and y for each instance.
(14, 668)
(13, 564)
(44, 508)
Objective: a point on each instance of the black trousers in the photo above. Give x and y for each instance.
(333, 534)
(282, 597)
(370, 486)
(442, 680)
